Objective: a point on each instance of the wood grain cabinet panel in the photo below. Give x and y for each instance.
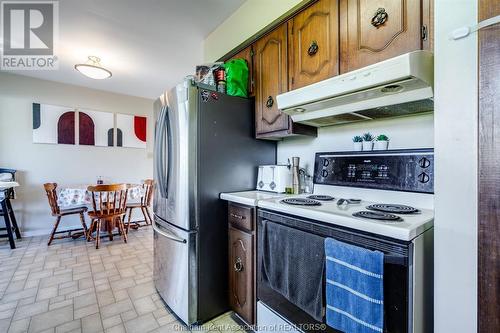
(271, 79)
(314, 44)
(247, 54)
(241, 216)
(375, 30)
(241, 274)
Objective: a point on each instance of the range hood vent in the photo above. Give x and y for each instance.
(395, 87)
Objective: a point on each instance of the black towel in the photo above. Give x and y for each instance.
(293, 262)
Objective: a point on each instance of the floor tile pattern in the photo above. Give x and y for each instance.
(72, 287)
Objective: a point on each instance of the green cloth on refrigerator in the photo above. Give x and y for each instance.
(237, 77)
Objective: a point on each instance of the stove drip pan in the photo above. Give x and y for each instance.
(393, 208)
(321, 197)
(301, 202)
(378, 216)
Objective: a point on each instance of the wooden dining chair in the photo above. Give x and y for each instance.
(109, 204)
(59, 212)
(148, 186)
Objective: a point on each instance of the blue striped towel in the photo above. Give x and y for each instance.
(354, 288)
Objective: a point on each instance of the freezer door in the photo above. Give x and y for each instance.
(175, 272)
(175, 157)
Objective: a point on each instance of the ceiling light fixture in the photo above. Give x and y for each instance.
(93, 69)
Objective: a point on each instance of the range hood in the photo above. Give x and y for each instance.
(395, 87)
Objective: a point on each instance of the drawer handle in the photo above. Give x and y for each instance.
(380, 17)
(313, 48)
(238, 265)
(239, 217)
(269, 102)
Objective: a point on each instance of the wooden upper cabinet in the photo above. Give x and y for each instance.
(375, 30)
(271, 79)
(314, 44)
(247, 54)
(428, 25)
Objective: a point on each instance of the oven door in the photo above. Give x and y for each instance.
(397, 274)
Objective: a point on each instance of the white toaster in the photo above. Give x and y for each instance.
(274, 178)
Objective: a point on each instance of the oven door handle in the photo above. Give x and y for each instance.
(395, 259)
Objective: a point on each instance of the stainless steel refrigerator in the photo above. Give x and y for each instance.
(204, 145)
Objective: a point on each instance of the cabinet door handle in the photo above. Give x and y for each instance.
(239, 217)
(269, 102)
(313, 48)
(238, 265)
(380, 17)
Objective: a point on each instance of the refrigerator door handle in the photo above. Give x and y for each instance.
(169, 152)
(157, 149)
(160, 152)
(168, 235)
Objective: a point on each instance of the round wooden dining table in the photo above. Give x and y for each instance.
(79, 195)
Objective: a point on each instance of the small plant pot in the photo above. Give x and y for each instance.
(358, 146)
(381, 145)
(368, 145)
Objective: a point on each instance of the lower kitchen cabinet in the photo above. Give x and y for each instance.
(242, 291)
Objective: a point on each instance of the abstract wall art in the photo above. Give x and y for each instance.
(94, 128)
(131, 131)
(57, 124)
(53, 124)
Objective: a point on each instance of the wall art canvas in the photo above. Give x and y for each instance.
(131, 131)
(95, 128)
(53, 124)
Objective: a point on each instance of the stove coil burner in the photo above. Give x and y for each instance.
(301, 202)
(321, 197)
(378, 216)
(392, 208)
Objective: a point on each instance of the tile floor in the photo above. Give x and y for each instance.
(72, 287)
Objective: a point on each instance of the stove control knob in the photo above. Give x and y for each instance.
(424, 162)
(324, 173)
(423, 177)
(326, 162)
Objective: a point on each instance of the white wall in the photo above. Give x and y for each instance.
(405, 132)
(64, 164)
(455, 225)
(246, 21)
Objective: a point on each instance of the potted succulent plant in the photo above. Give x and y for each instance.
(358, 143)
(382, 142)
(368, 141)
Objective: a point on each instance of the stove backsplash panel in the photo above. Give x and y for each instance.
(409, 170)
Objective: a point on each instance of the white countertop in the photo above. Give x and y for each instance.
(6, 185)
(410, 227)
(250, 198)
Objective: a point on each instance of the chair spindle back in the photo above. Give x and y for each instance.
(148, 186)
(50, 190)
(109, 199)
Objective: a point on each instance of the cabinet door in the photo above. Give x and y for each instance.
(247, 54)
(313, 44)
(241, 274)
(271, 79)
(428, 25)
(375, 30)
